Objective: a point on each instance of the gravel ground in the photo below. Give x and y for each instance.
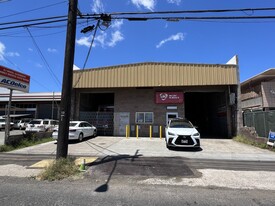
(222, 178)
(210, 177)
(12, 170)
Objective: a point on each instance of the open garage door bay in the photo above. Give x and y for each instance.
(207, 111)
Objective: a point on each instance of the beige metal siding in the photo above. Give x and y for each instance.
(156, 74)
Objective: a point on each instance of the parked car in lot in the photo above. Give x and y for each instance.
(3, 124)
(78, 130)
(41, 125)
(21, 124)
(181, 133)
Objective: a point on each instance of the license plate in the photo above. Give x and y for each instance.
(184, 141)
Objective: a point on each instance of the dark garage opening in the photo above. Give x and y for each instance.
(207, 111)
(98, 109)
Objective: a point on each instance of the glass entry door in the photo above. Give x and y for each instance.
(171, 115)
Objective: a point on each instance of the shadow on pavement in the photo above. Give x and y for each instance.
(108, 159)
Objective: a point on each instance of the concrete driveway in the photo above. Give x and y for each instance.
(100, 146)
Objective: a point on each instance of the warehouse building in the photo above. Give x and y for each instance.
(30, 105)
(148, 94)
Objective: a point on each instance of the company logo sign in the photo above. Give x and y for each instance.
(13, 83)
(14, 80)
(169, 97)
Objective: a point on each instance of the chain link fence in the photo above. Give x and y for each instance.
(262, 121)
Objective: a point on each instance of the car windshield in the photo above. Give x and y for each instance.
(35, 122)
(180, 124)
(73, 124)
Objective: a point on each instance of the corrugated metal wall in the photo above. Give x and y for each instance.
(156, 74)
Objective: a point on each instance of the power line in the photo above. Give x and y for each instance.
(133, 17)
(24, 72)
(88, 54)
(177, 18)
(58, 83)
(28, 25)
(194, 11)
(32, 20)
(13, 34)
(23, 12)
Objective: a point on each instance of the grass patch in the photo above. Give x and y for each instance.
(24, 143)
(59, 169)
(252, 142)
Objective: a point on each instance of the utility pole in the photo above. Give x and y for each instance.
(239, 100)
(7, 125)
(65, 105)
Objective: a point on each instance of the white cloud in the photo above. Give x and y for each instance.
(83, 41)
(30, 49)
(51, 50)
(13, 54)
(38, 65)
(107, 38)
(117, 24)
(116, 37)
(176, 37)
(101, 39)
(2, 51)
(148, 4)
(97, 6)
(177, 2)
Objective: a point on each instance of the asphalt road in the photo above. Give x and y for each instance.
(22, 191)
(133, 165)
(122, 180)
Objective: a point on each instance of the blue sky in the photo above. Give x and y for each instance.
(125, 42)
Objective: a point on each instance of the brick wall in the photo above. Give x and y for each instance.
(134, 100)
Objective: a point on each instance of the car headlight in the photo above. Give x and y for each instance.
(170, 133)
(196, 134)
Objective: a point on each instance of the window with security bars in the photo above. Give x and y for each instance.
(144, 117)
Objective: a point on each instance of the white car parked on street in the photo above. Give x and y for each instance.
(181, 133)
(41, 125)
(21, 124)
(3, 124)
(78, 130)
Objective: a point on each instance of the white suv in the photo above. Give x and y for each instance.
(181, 133)
(41, 125)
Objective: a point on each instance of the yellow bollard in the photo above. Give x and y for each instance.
(137, 131)
(160, 132)
(126, 131)
(150, 131)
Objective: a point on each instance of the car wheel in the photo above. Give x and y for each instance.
(80, 137)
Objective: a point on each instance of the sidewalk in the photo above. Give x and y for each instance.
(226, 149)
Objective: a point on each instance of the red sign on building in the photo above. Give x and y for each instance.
(14, 80)
(169, 97)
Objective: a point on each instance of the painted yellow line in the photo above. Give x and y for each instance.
(78, 161)
(42, 164)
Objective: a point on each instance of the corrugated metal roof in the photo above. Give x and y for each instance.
(31, 97)
(156, 74)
